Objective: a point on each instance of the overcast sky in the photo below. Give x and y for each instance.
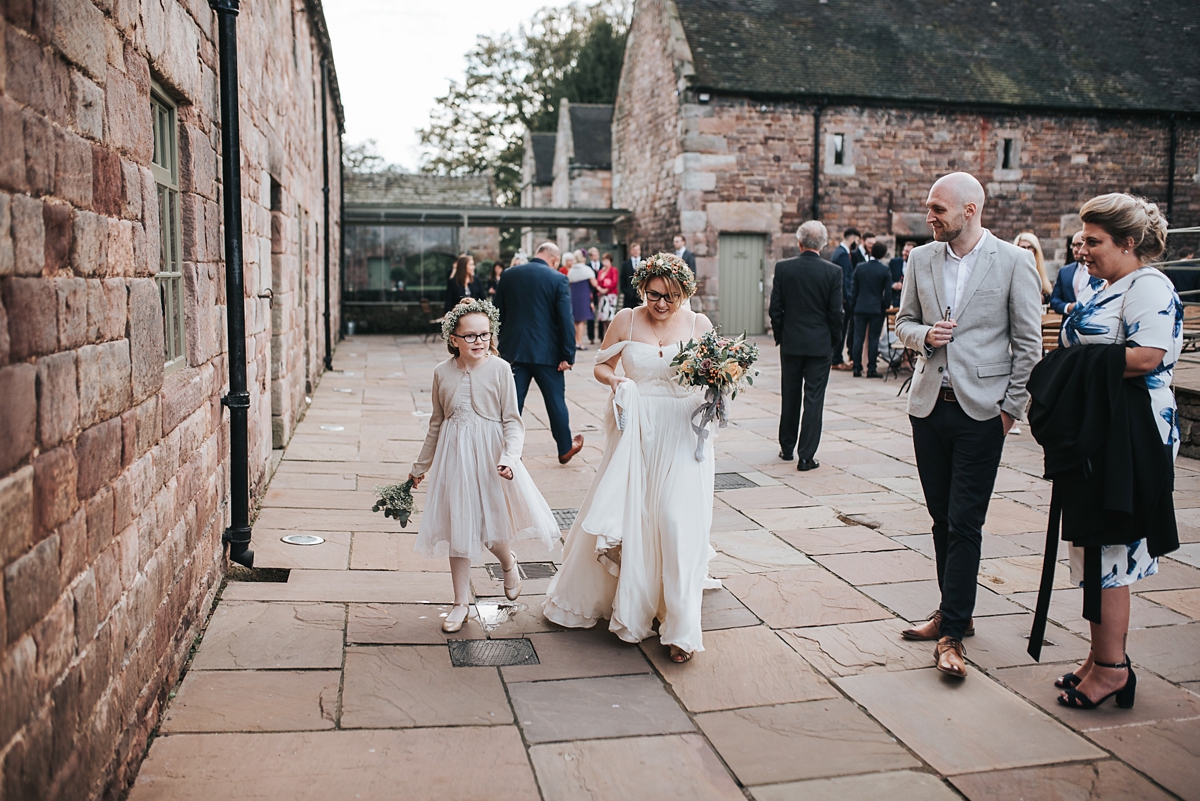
(393, 57)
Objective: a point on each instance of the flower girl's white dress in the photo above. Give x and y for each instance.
(639, 548)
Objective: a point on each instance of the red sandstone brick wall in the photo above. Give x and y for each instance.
(113, 478)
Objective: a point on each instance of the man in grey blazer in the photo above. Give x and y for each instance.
(971, 309)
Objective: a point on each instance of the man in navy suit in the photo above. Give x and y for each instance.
(537, 337)
(1074, 284)
(847, 256)
(896, 265)
(870, 297)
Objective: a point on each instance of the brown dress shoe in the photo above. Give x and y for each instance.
(576, 447)
(950, 657)
(932, 630)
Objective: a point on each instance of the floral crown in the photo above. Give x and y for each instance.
(666, 265)
(450, 321)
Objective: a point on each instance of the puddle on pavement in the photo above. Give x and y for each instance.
(493, 615)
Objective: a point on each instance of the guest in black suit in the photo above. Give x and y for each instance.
(897, 266)
(806, 317)
(846, 256)
(628, 268)
(537, 337)
(461, 283)
(870, 298)
(682, 252)
(1073, 283)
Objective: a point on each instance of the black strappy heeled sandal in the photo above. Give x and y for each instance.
(1077, 700)
(1069, 681)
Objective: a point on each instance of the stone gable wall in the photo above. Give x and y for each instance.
(648, 127)
(113, 476)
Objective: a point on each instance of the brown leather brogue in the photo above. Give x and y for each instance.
(951, 657)
(576, 447)
(932, 629)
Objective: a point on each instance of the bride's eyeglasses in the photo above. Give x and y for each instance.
(655, 297)
(471, 339)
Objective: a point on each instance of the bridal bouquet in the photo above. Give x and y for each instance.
(724, 366)
(395, 500)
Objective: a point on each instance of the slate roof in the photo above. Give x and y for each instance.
(1121, 55)
(417, 189)
(591, 131)
(543, 158)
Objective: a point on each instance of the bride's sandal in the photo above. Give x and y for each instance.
(679, 656)
(512, 591)
(455, 620)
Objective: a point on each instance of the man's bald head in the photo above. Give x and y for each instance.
(549, 253)
(960, 187)
(955, 208)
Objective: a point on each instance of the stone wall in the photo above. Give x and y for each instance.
(113, 475)
(746, 166)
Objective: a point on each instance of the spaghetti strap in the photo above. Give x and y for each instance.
(632, 317)
(693, 334)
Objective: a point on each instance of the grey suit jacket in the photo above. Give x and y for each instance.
(999, 335)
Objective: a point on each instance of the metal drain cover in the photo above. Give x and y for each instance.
(731, 481)
(302, 539)
(529, 570)
(492, 653)
(565, 517)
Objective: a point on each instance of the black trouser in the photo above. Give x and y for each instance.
(802, 377)
(863, 322)
(847, 332)
(957, 459)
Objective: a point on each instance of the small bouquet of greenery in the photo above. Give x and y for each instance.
(724, 366)
(395, 500)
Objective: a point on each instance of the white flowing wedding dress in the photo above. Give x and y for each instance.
(639, 548)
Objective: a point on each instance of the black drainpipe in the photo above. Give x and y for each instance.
(238, 399)
(325, 191)
(341, 235)
(816, 167)
(1171, 167)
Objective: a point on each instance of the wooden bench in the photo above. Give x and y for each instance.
(1191, 328)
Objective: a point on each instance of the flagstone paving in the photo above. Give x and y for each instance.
(337, 682)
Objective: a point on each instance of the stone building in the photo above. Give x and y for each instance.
(114, 446)
(580, 172)
(403, 232)
(737, 121)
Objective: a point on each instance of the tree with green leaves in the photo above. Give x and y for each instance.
(514, 81)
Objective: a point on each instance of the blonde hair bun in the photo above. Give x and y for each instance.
(1126, 216)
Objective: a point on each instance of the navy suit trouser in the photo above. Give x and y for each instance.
(553, 386)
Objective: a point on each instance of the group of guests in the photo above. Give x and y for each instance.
(1100, 404)
(870, 289)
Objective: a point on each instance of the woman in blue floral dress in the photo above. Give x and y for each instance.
(1140, 309)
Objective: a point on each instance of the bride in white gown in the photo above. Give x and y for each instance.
(639, 548)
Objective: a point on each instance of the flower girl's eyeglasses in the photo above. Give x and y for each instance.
(471, 339)
(655, 297)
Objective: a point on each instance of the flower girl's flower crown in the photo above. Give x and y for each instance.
(665, 265)
(450, 321)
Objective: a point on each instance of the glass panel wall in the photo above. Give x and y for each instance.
(398, 264)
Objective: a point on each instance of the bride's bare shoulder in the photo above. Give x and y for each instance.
(702, 323)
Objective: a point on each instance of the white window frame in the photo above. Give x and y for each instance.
(165, 167)
(829, 166)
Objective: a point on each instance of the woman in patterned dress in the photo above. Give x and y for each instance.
(1140, 309)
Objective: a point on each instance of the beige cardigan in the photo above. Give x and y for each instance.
(493, 397)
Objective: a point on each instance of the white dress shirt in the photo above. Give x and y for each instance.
(955, 278)
(1086, 287)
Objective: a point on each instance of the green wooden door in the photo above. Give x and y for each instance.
(740, 277)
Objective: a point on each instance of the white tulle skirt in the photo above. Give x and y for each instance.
(469, 507)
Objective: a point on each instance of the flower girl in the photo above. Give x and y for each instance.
(480, 495)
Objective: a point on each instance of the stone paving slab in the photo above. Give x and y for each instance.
(318, 766)
(916, 600)
(1155, 700)
(1093, 781)
(255, 636)
(1186, 602)
(1003, 640)
(816, 739)
(880, 567)
(271, 551)
(255, 701)
(578, 655)
(720, 609)
(359, 586)
(806, 596)
(405, 624)
(587, 709)
(386, 550)
(1019, 574)
(1168, 752)
(673, 766)
(756, 551)
(853, 648)
(838, 539)
(1066, 609)
(902, 785)
(401, 686)
(741, 667)
(1171, 652)
(964, 726)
